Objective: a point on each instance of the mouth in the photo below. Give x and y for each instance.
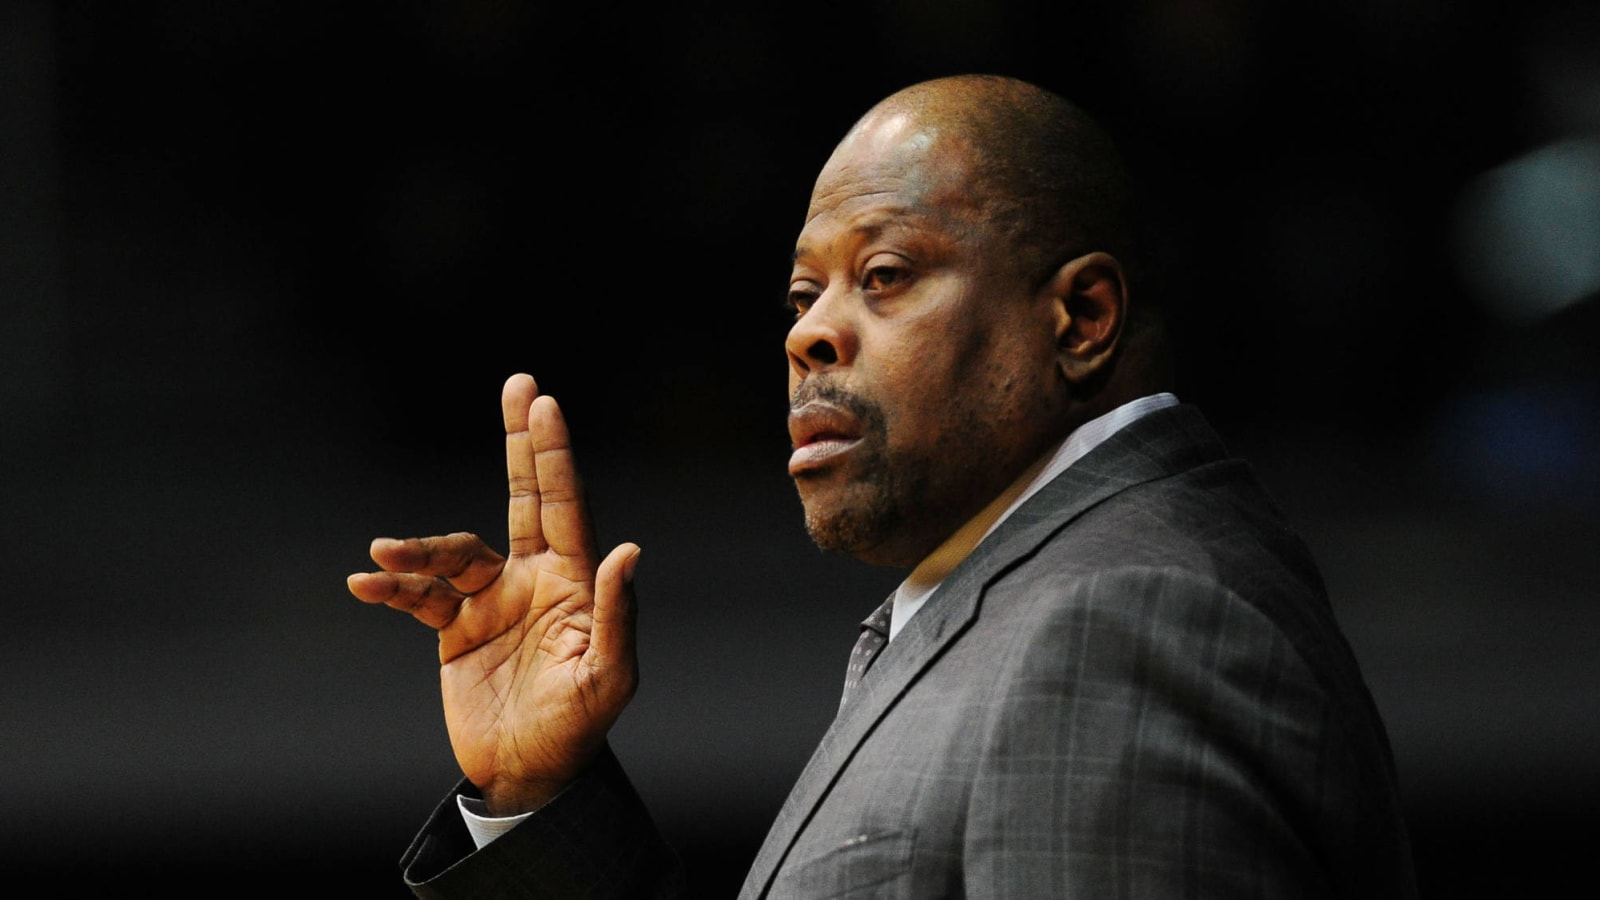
(820, 434)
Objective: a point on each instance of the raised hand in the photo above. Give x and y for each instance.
(536, 650)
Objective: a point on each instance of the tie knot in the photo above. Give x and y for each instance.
(879, 620)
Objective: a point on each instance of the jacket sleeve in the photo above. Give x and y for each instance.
(595, 840)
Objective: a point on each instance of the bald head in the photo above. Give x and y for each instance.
(1047, 174)
(1050, 183)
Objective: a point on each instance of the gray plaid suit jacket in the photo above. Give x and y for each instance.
(1134, 688)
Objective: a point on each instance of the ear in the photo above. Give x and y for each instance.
(1089, 295)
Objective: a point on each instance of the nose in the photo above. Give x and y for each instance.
(822, 338)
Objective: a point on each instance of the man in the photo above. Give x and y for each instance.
(1112, 669)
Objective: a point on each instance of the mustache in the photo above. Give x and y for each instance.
(817, 388)
(820, 388)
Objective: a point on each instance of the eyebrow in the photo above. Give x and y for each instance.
(868, 231)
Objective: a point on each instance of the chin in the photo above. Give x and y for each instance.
(862, 532)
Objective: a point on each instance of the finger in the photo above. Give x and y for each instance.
(463, 558)
(522, 477)
(563, 511)
(431, 601)
(611, 638)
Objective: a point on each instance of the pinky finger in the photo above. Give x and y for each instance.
(612, 640)
(429, 600)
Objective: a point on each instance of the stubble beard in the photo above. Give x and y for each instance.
(861, 515)
(887, 506)
(863, 511)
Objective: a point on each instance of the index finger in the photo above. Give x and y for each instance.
(522, 477)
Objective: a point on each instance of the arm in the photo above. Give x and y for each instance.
(536, 649)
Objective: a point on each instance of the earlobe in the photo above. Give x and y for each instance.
(1091, 297)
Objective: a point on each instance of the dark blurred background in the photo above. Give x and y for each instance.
(264, 266)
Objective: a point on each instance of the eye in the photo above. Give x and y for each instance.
(801, 296)
(882, 278)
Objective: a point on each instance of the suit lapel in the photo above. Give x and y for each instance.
(1157, 445)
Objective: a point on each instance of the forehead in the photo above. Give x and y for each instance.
(893, 173)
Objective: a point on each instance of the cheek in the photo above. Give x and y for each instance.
(933, 382)
(923, 400)
(995, 391)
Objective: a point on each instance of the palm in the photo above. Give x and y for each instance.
(523, 700)
(536, 649)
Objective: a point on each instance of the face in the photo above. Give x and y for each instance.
(922, 364)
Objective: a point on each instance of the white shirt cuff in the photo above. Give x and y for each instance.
(484, 827)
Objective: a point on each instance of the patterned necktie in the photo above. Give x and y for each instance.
(874, 634)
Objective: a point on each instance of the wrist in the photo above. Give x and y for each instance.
(515, 798)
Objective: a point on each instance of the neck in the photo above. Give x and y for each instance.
(937, 564)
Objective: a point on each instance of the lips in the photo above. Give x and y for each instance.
(820, 432)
